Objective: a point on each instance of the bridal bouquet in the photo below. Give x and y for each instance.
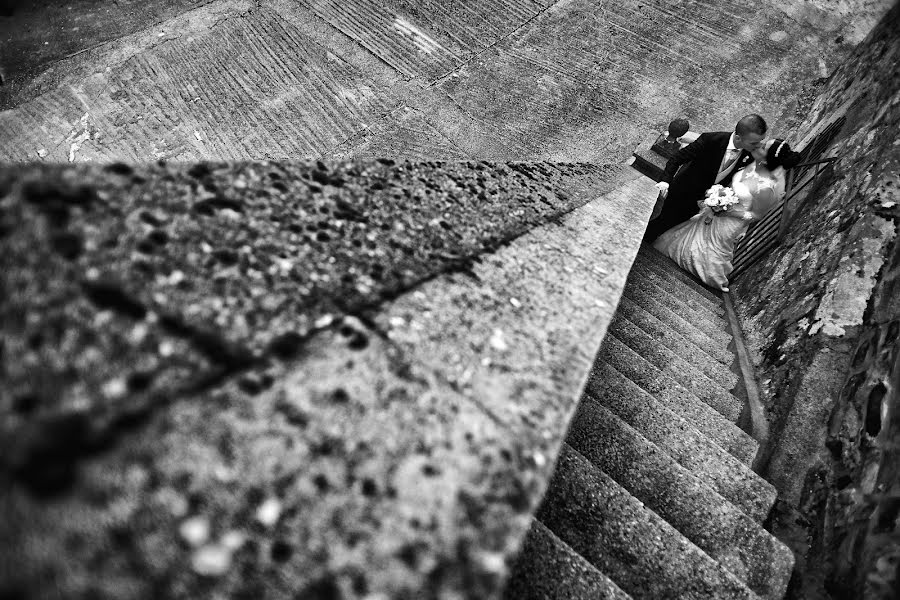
(720, 197)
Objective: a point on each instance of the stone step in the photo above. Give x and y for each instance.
(681, 296)
(709, 462)
(701, 318)
(665, 415)
(632, 545)
(715, 345)
(660, 277)
(650, 256)
(673, 365)
(678, 344)
(648, 376)
(715, 525)
(548, 569)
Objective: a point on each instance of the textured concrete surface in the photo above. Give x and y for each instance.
(699, 316)
(678, 344)
(242, 79)
(639, 409)
(594, 515)
(548, 569)
(681, 484)
(716, 526)
(295, 378)
(662, 277)
(652, 259)
(708, 461)
(516, 333)
(37, 33)
(713, 343)
(821, 316)
(682, 371)
(355, 473)
(127, 282)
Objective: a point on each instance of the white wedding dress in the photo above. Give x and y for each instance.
(704, 245)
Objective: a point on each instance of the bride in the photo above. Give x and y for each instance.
(704, 245)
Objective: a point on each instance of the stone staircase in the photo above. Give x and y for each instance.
(653, 495)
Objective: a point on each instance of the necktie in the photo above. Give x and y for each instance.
(730, 157)
(728, 160)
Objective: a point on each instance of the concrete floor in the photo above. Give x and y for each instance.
(500, 79)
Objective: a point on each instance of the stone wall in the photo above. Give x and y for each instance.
(822, 315)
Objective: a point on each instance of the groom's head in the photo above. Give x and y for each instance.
(750, 132)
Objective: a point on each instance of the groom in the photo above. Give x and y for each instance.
(711, 158)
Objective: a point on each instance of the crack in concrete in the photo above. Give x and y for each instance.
(499, 40)
(439, 132)
(101, 437)
(403, 75)
(9, 102)
(360, 133)
(428, 85)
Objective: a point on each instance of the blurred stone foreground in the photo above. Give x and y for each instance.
(347, 375)
(283, 377)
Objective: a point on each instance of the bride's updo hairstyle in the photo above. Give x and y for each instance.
(781, 155)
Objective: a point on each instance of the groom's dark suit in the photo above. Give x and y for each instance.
(702, 159)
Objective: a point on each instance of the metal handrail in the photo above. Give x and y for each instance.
(795, 189)
(752, 247)
(763, 235)
(793, 173)
(816, 162)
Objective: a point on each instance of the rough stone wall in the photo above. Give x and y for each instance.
(822, 315)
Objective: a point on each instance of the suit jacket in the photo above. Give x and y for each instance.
(702, 159)
(690, 172)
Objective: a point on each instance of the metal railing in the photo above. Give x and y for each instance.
(768, 232)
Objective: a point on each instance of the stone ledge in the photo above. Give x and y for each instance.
(400, 451)
(133, 285)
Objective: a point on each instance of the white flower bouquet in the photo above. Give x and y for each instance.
(720, 198)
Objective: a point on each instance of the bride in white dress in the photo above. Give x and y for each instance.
(704, 245)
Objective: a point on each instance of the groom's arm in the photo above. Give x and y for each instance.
(685, 155)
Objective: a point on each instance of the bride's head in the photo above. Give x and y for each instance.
(772, 158)
(776, 153)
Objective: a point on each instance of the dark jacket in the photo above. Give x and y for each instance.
(700, 161)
